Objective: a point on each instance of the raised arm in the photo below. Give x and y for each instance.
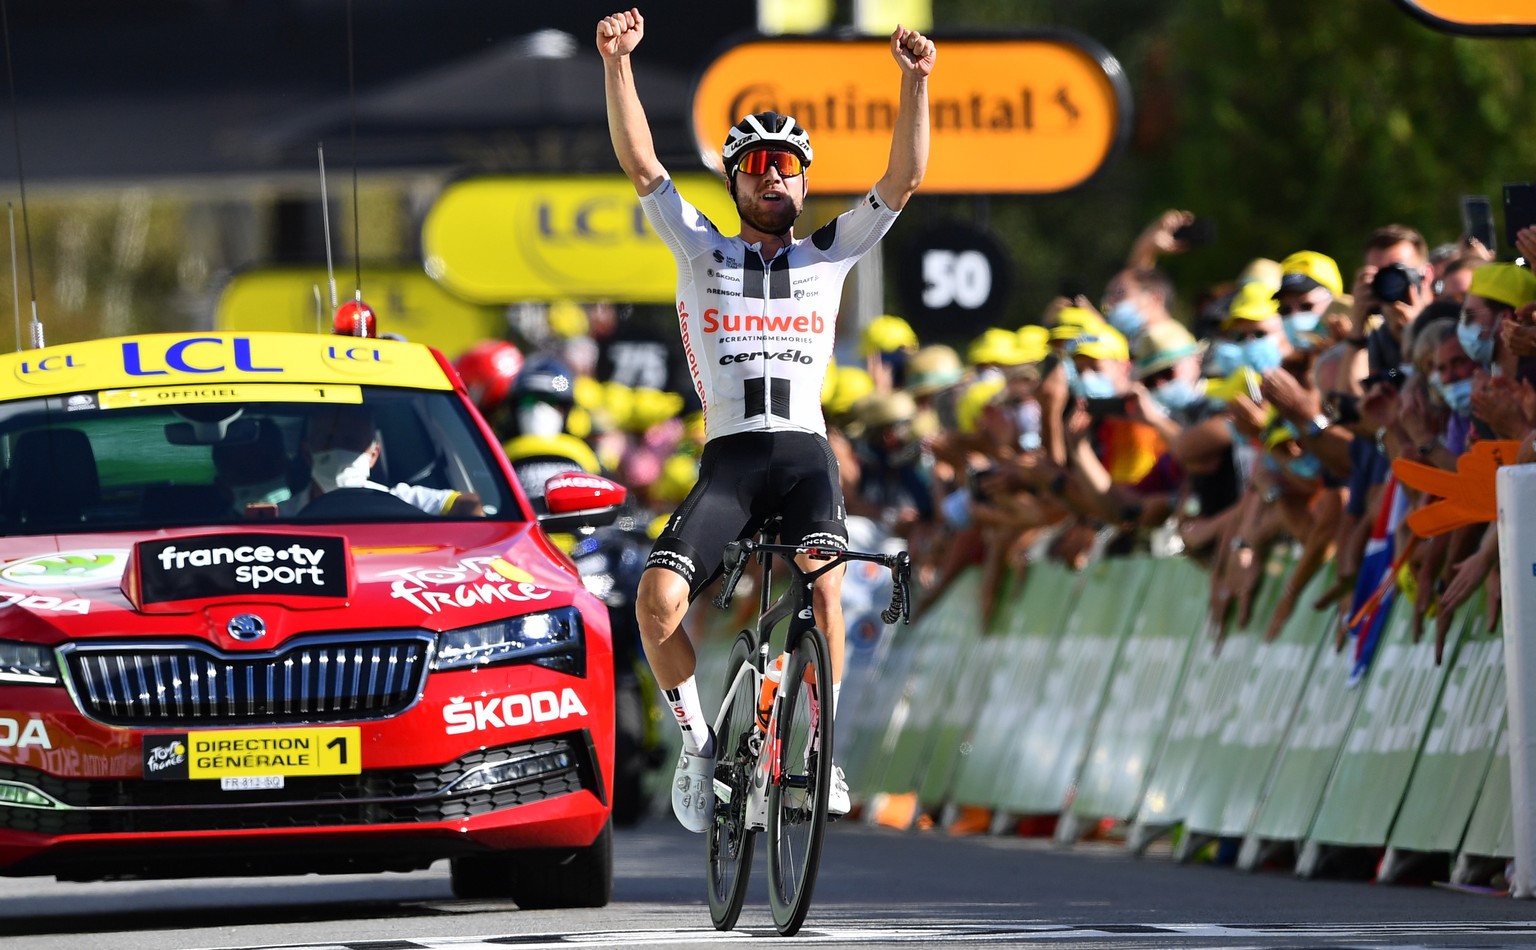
(617, 37)
(915, 54)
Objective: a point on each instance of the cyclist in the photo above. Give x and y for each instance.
(757, 314)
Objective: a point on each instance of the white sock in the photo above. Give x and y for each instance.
(689, 713)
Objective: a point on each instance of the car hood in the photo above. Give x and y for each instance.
(195, 582)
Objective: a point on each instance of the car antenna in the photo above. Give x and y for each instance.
(354, 318)
(36, 327)
(325, 217)
(10, 213)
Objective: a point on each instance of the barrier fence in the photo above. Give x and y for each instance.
(1101, 698)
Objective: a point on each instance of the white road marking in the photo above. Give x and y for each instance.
(1083, 936)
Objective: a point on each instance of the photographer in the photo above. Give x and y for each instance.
(1396, 281)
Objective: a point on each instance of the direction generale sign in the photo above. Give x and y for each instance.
(1027, 114)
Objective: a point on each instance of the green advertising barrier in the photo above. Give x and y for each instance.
(1205, 705)
(1453, 764)
(1491, 832)
(1368, 782)
(900, 703)
(949, 739)
(1046, 754)
(942, 638)
(1143, 686)
(1033, 617)
(1292, 793)
(1238, 759)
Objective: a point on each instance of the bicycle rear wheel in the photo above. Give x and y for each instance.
(730, 840)
(797, 800)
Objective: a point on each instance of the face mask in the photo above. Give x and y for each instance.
(1299, 326)
(1127, 318)
(273, 492)
(1176, 395)
(541, 419)
(1225, 358)
(1479, 348)
(340, 468)
(1093, 384)
(1306, 467)
(1457, 395)
(1261, 354)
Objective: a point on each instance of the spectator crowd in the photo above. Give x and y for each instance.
(1271, 416)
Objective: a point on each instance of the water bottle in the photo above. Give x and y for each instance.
(771, 681)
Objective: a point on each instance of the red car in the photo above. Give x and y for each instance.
(274, 604)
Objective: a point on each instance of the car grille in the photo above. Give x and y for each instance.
(191, 685)
(390, 796)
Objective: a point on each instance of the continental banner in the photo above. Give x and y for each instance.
(1030, 114)
(578, 237)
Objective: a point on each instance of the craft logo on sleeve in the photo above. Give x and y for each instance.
(215, 565)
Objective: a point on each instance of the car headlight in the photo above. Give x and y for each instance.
(552, 639)
(27, 664)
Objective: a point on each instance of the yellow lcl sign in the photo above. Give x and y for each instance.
(503, 239)
(1027, 115)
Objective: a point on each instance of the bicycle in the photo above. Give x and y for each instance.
(774, 767)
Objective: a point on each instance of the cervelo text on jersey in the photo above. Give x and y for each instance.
(758, 359)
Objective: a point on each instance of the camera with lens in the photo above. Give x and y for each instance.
(1393, 283)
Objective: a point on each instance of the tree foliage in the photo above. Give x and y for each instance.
(1298, 125)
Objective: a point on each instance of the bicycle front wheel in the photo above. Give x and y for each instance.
(730, 840)
(797, 800)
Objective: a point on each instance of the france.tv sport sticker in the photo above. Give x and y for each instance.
(226, 565)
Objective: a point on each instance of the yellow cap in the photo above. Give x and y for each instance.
(1305, 270)
(887, 334)
(1509, 284)
(996, 346)
(618, 404)
(561, 445)
(1103, 343)
(587, 392)
(1263, 270)
(1034, 342)
(1254, 301)
(853, 383)
(567, 319)
(1079, 317)
(974, 399)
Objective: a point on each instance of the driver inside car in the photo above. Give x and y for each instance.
(342, 446)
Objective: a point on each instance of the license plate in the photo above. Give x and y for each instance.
(253, 753)
(249, 783)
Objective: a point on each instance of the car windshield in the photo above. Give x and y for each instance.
(84, 463)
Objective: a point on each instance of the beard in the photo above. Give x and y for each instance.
(775, 217)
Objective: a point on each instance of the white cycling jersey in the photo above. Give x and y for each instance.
(758, 333)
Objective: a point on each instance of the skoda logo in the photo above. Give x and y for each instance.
(247, 627)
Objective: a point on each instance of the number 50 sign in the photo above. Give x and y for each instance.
(955, 278)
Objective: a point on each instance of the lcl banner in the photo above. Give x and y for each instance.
(1032, 113)
(578, 237)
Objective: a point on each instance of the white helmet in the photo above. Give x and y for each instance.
(764, 130)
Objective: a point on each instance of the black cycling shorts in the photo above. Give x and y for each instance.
(743, 480)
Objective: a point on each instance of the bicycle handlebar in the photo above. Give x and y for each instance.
(899, 564)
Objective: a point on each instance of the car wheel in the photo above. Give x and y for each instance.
(540, 879)
(629, 758)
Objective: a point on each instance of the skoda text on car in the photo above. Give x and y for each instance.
(211, 665)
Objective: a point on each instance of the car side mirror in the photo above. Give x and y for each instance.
(577, 500)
